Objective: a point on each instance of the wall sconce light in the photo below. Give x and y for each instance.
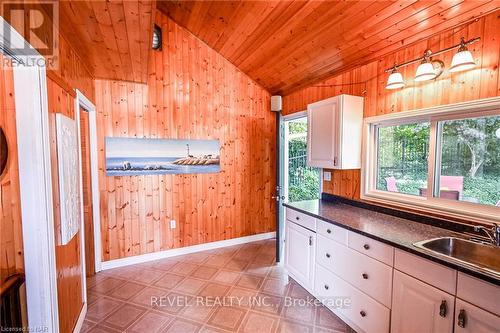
(395, 80)
(462, 60)
(430, 69)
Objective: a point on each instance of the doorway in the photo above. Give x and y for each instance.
(89, 190)
(300, 182)
(296, 181)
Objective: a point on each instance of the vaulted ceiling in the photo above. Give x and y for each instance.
(285, 45)
(112, 37)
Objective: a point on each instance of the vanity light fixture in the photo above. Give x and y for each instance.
(429, 68)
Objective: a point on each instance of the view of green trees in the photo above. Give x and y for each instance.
(303, 181)
(470, 148)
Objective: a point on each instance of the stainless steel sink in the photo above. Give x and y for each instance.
(484, 257)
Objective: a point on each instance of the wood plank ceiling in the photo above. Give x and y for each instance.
(285, 45)
(112, 37)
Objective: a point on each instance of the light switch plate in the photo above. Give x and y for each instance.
(327, 176)
(172, 224)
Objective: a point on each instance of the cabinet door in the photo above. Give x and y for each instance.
(471, 319)
(419, 307)
(322, 134)
(299, 252)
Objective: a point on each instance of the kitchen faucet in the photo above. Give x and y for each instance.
(492, 233)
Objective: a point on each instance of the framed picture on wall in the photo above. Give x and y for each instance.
(142, 156)
(69, 185)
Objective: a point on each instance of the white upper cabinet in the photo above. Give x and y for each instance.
(334, 132)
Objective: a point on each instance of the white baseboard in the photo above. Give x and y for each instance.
(81, 318)
(184, 250)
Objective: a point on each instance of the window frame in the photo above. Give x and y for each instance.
(429, 204)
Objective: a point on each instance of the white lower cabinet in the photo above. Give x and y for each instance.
(300, 249)
(420, 308)
(471, 319)
(387, 289)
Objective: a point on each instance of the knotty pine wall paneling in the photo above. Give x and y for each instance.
(11, 236)
(192, 93)
(369, 81)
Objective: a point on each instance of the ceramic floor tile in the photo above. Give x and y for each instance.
(250, 281)
(106, 286)
(259, 323)
(286, 326)
(180, 325)
(183, 268)
(326, 319)
(204, 272)
(214, 290)
(149, 297)
(151, 322)
(123, 317)
(226, 276)
(101, 308)
(169, 280)
(275, 286)
(190, 286)
(127, 290)
(268, 303)
(228, 318)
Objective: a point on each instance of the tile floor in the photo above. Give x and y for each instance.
(233, 289)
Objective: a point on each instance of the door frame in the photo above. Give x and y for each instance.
(81, 101)
(35, 179)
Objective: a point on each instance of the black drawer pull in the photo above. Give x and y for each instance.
(297, 218)
(328, 255)
(327, 287)
(366, 246)
(365, 276)
(362, 313)
(443, 309)
(328, 231)
(461, 318)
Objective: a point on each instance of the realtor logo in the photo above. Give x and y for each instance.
(37, 22)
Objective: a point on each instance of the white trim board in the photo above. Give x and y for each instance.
(185, 250)
(32, 123)
(81, 318)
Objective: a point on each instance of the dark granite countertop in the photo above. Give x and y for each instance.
(396, 231)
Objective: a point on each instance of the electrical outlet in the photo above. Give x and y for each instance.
(172, 224)
(327, 176)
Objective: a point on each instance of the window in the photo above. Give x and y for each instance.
(403, 151)
(470, 159)
(445, 158)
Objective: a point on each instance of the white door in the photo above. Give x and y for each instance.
(299, 254)
(471, 319)
(419, 307)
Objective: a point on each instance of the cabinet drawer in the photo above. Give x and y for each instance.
(436, 275)
(471, 319)
(363, 311)
(302, 219)
(331, 231)
(371, 248)
(479, 292)
(369, 275)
